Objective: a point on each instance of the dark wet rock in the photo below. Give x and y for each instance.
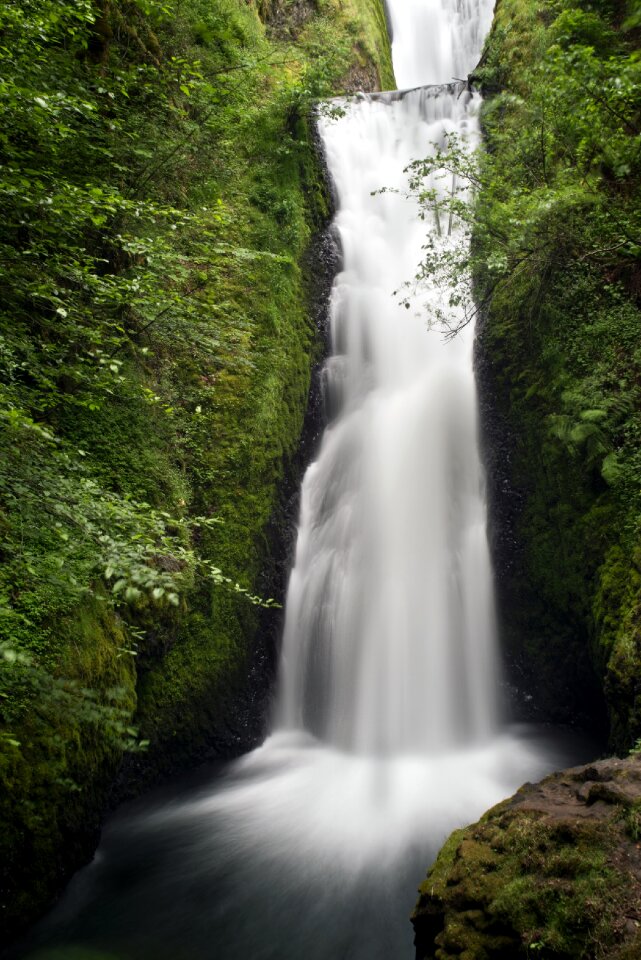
(548, 672)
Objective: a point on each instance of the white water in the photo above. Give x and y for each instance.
(389, 642)
(388, 731)
(437, 41)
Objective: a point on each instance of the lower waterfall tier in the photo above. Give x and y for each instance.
(295, 850)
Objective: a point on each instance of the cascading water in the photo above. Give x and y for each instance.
(389, 634)
(387, 733)
(435, 41)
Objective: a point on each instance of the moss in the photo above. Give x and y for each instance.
(255, 413)
(204, 415)
(376, 48)
(550, 872)
(561, 364)
(55, 784)
(547, 891)
(516, 37)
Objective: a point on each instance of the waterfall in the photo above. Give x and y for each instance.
(436, 41)
(389, 642)
(387, 731)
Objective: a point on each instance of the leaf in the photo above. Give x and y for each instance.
(611, 469)
(593, 416)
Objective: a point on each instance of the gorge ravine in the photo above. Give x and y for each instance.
(388, 729)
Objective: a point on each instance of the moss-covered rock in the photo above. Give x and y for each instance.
(559, 366)
(57, 775)
(197, 408)
(555, 872)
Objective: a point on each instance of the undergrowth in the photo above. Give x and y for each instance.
(159, 191)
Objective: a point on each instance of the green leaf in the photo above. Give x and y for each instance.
(611, 469)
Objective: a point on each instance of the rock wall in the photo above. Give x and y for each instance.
(557, 374)
(204, 109)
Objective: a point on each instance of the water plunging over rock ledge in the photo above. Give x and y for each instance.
(389, 638)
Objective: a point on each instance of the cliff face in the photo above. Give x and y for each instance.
(164, 258)
(557, 355)
(555, 871)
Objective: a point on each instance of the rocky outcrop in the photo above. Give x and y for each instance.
(553, 872)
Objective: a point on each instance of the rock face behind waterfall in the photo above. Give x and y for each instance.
(555, 871)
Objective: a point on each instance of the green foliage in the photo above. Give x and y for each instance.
(24, 686)
(631, 817)
(159, 191)
(96, 220)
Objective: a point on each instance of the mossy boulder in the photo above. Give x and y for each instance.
(553, 872)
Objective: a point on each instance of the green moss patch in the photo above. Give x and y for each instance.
(552, 872)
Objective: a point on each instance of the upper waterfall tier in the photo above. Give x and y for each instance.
(434, 41)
